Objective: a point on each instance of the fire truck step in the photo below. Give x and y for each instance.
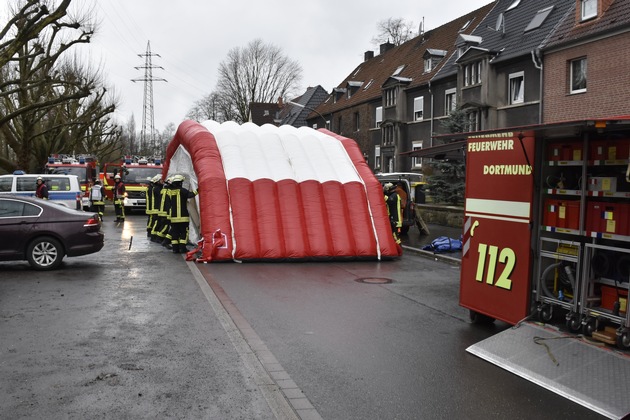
(591, 375)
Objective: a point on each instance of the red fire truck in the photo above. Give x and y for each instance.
(85, 167)
(547, 226)
(135, 173)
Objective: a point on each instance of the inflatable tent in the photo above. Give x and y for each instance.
(279, 193)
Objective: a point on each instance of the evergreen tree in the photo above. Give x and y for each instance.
(448, 182)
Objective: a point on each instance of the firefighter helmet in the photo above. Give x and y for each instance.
(117, 176)
(389, 186)
(178, 178)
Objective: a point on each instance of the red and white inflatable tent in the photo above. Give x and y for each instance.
(280, 193)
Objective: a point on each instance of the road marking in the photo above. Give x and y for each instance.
(283, 396)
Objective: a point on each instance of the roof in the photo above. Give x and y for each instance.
(261, 113)
(503, 32)
(296, 115)
(616, 17)
(410, 54)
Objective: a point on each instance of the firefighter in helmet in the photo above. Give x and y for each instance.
(119, 192)
(394, 209)
(179, 216)
(42, 189)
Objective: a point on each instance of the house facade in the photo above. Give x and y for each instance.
(510, 63)
(586, 62)
(386, 103)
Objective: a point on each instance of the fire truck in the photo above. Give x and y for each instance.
(135, 172)
(85, 167)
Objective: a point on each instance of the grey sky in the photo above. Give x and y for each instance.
(328, 38)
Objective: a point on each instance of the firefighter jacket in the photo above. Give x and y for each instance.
(179, 204)
(156, 198)
(164, 198)
(119, 191)
(394, 208)
(150, 206)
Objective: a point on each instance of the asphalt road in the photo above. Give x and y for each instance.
(132, 332)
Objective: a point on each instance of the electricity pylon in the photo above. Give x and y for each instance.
(147, 135)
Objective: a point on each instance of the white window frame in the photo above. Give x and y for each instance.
(573, 89)
(588, 9)
(357, 121)
(391, 95)
(428, 65)
(377, 157)
(516, 80)
(416, 162)
(450, 105)
(379, 117)
(418, 108)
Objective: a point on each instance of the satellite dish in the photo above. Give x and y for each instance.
(500, 25)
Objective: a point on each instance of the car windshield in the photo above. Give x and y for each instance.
(81, 172)
(142, 175)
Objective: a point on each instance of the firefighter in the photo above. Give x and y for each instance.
(162, 226)
(42, 189)
(156, 199)
(119, 192)
(179, 216)
(97, 199)
(150, 209)
(394, 209)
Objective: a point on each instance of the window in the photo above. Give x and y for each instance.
(391, 96)
(517, 88)
(368, 84)
(472, 73)
(379, 116)
(513, 5)
(388, 135)
(589, 9)
(473, 121)
(357, 121)
(398, 70)
(450, 101)
(539, 18)
(339, 125)
(577, 73)
(416, 162)
(427, 65)
(418, 108)
(6, 184)
(377, 157)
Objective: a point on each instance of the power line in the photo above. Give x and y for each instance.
(148, 144)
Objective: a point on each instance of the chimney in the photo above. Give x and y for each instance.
(368, 55)
(386, 47)
(280, 103)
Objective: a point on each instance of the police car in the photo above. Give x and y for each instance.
(62, 189)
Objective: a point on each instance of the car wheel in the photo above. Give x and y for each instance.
(44, 253)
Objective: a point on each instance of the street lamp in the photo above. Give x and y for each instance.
(310, 109)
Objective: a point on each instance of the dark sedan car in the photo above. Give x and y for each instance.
(43, 232)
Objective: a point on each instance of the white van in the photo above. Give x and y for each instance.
(62, 189)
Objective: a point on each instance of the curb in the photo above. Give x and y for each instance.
(437, 257)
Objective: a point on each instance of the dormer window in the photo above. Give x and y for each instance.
(588, 9)
(432, 58)
(466, 41)
(352, 87)
(338, 93)
(391, 95)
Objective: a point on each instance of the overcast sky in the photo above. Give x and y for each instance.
(328, 38)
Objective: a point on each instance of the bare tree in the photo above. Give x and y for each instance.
(257, 73)
(49, 101)
(394, 30)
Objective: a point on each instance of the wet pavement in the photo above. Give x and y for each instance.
(134, 331)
